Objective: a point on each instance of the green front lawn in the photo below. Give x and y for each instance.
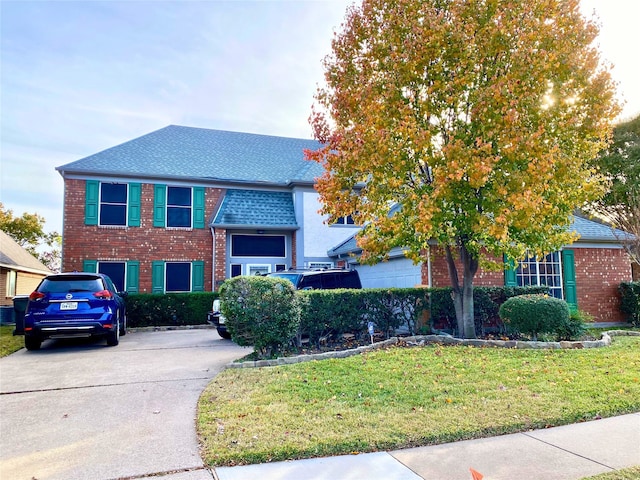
(9, 343)
(632, 473)
(405, 397)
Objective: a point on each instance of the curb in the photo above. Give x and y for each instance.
(422, 340)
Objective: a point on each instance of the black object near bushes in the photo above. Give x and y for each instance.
(630, 301)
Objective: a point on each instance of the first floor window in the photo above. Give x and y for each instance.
(113, 204)
(178, 207)
(317, 265)
(178, 277)
(236, 270)
(544, 271)
(115, 271)
(11, 283)
(258, 269)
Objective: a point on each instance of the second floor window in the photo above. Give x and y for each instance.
(178, 207)
(348, 220)
(113, 204)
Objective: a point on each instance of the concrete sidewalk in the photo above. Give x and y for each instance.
(562, 453)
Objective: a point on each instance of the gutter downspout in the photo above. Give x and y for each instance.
(429, 279)
(213, 260)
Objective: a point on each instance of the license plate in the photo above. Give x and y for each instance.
(69, 306)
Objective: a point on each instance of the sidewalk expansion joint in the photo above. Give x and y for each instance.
(165, 473)
(81, 387)
(568, 451)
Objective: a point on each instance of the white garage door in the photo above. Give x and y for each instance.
(397, 272)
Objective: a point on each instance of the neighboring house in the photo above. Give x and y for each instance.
(20, 273)
(586, 273)
(181, 209)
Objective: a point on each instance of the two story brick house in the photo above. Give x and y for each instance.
(180, 209)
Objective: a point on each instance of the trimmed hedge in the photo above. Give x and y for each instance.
(534, 314)
(171, 309)
(326, 312)
(336, 312)
(630, 301)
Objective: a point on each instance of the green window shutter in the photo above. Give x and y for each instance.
(135, 193)
(90, 266)
(510, 279)
(133, 277)
(159, 205)
(569, 278)
(198, 207)
(91, 201)
(157, 277)
(197, 276)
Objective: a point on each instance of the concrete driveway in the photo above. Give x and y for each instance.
(81, 410)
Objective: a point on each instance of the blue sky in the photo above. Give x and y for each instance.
(81, 76)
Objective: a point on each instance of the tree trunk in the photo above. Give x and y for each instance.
(456, 293)
(463, 296)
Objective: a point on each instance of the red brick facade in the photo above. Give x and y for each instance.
(220, 273)
(144, 244)
(440, 272)
(599, 271)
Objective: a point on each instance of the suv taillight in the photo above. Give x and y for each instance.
(35, 296)
(103, 295)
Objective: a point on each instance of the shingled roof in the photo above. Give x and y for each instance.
(188, 153)
(14, 257)
(256, 209)
(589, 231)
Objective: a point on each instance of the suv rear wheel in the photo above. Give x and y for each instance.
(32, 343)
(113, 338)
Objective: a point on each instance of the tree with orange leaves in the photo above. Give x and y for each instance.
(476, 118)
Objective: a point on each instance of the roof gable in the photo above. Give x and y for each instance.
(14, 257)
(204, 154)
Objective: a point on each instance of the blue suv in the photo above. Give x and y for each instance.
(75, 305)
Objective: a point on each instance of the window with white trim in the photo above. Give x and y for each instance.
(113, 204)
(177, 277)
(347, 220)
(11, 283)
(115, 271)
(546, 271)
(258, 269)
(179, 203)
(244, 245)
(320, 265)
(236, 269)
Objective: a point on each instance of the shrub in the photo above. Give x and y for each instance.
(152, 309)
(260, 311)
(575, 326)
(630, 301)
(534, 314)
